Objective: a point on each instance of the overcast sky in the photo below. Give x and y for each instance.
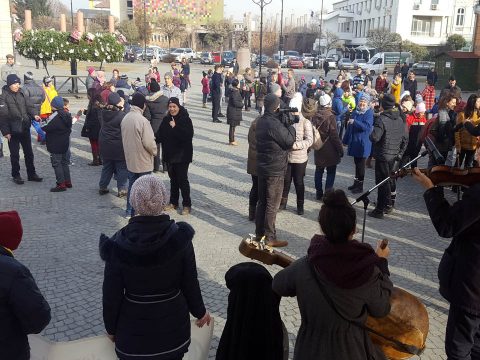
(236, 8)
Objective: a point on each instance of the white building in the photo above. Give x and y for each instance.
(6, 40)
(424, 22)
(121, 9)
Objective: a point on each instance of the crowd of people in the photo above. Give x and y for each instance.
(139, 128)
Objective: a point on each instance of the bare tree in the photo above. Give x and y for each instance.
(383, 40)
(171, 27)
(331, 41)
(143, 25)
(218, 31)
(129, 30)
(58, 7)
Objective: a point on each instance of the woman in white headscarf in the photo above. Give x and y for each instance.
(298, 156)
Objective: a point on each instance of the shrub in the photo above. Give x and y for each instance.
(169, 58)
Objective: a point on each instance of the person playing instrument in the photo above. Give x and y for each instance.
(338, 284)
(459, 270)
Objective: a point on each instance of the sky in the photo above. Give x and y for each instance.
(236, 8)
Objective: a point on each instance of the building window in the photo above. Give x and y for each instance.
(434, 2)
(460, 17)
(129, 3)
(422, 26)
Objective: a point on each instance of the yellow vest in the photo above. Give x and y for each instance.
(50, 93)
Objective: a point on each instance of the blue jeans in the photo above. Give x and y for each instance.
(114, 166)
(131, 179)
(331, 172)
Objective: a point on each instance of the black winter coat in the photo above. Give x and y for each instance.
(274, 139)
(150, 286)
(91, 127)
(389, 136)
(58, 132)
(177, 146)
(459, 270)
(23, 309)
(332, 150)
(410, 86)
(110, 136)
(157, 107)
(16, 112)
(234, 109)
(35, 93)
(216, 83)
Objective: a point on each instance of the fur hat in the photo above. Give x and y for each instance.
(309, 108)
(12, 230)
(149, 195)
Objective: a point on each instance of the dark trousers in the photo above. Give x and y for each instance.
(331, 172)
(462, 339)
(204, 98)
(14, 146)
(383, 169)
(468, 156)
(253, 197)
(231, 133)
(178, 174)
(157, 158)
(60, 165)
(216, 97)
(118, 167)
(297, 173)
(247, 95)
(359, 168)
(269, 196)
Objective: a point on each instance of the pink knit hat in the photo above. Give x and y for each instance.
(148, 195)
(91, 70)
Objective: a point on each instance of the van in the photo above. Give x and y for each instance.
(386, 61)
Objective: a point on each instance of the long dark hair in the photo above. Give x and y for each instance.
(444, 100)
(337, 217)
(470, 107)
(94, 98)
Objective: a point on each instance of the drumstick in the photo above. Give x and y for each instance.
(384, 244)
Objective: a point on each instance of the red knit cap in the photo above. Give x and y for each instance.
(10, 229)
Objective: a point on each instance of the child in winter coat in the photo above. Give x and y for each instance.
(205, 88)
(58, 130)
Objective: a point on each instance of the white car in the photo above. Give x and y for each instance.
(186, 53)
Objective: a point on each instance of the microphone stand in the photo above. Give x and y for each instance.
(364, 197)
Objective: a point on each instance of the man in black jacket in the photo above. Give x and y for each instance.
(275, 137)
(389, 138)
(16, 112)
(458, 272)
(216, 90)
(410, 84)
(23, 309)
(33, 91)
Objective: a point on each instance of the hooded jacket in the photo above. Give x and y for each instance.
(177, 142)
(157, 107)
(458, 272)
(332, 150)
(35, 93)
(274, 139)
(23, 309)
(110, 136)
(389, 136)
(338, 106)
(358, 283)
(150, 286)
(16, 112)
(58, 132)
(357, 134)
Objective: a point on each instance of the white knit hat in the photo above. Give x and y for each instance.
(296, 101)
(325, 100)
(148, 195)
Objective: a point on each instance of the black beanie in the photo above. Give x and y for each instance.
(174, 100)
(138, 100)
(388, 102)
(154, 86)
(271, 103)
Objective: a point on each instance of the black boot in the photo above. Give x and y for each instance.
(300, 209)
(359, 188)
(354, 185)
(283, 204)
(251, 213)
(1, 150)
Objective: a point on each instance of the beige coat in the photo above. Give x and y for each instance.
(138, 141)
(304, 139)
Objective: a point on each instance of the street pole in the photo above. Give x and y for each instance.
(321, 21)
(280, 43)
(262, 4)
(145, 29)
(71, 11)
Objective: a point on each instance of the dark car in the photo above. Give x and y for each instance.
(422, 67)
(295, 62)
(265, 59)
(228, 57)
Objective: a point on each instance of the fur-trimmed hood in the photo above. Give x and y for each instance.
(147, 241)
(154, 96)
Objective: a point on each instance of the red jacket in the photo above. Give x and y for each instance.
(415, 119)
(381, 85)
(205, 85)
(428, 95)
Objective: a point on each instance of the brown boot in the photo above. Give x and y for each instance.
(277, 243)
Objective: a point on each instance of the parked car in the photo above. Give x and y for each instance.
(345, 64)
(359, 63)
(228, 57)
(129, 55)
(206, 58)
(308, 61)
(181, 53)
(422, 67)
(265, 59)
(295, 62)
(332, 64)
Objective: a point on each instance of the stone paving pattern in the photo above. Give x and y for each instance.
(61, 230)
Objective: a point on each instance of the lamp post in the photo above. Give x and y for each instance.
(71, 11)
(262, 4)
(320, 26)
(145, 29)
(280, 43)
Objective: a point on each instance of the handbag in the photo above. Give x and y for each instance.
(317, 139)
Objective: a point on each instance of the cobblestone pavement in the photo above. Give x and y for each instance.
(61, 230)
